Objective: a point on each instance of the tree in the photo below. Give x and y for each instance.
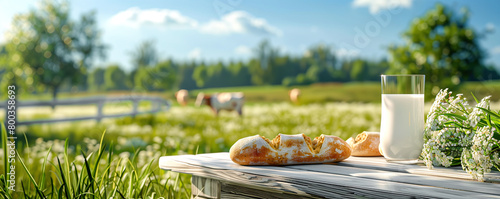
(200, 75)
(322, 60)
(142, 79)
(164, 75)
(144, 56)
(115, 78)
(96, 80)
(359, 70)
(51, 45)
(441, 45)
(185, 76)
(262, 67)
(11, 72)
(240, 76)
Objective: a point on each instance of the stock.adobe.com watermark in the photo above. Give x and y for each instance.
(364, 35)
(10, 124)
(222, 7)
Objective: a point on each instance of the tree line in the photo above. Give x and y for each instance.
(268, 67)
(47, 51)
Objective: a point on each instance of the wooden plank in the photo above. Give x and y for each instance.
(288, 186)
(205, 188)
(241, 190)
(235, 196)
(394, 175)
(471, 186)
(332, 181)
(379, 163)
(255, 181)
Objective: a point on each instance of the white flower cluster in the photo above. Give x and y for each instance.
(474, 117)
(477, 160)
(456, 134)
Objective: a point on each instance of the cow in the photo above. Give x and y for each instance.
(222, 101)
(182, 97)
(294, 95)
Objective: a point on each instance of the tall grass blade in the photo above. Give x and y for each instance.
(67, 165)
(490, 112)
(24, 190)
(65, 184)
(61, 192)
(89, 174)
(477, 101)
(120, 194)
(38, 190)
(96, 166)
(52, 187)
(42, 180)
(5, 158)
(101, 150)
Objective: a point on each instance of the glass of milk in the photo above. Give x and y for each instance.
(402, 123)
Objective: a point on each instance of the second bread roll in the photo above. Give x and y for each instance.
(365, 144)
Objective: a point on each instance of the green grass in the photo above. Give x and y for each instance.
(97, 173)
(125, 161)
(481, 89)
(316, 93)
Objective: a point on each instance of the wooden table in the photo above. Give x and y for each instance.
(216, 176)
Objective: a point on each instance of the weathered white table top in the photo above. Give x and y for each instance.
(370, 177)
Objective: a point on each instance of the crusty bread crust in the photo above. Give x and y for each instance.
(289, 149)
(365, 144)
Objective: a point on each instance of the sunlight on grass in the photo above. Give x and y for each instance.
(125, 160)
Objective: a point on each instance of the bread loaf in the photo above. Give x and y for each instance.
(289, 149)
(365, 144)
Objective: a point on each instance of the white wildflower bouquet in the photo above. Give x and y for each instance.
(459, 134)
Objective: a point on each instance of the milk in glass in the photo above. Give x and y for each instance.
(402, 126)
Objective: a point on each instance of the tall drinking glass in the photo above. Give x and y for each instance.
(402, 123)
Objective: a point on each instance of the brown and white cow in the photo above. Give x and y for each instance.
(182, 97)
(222, 101)
(294, 95)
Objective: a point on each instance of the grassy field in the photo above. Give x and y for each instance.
(138, 142)
(330, 92)
(125, 162)
(317, 93)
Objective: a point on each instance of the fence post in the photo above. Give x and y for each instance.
(155, 106)
(135, 107)
(100, 106)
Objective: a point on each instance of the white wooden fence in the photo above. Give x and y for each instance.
(157, 104)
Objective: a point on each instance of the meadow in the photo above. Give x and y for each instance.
(79, 160)
(316, 93)
(138, 142)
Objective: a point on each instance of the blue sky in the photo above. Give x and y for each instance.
(228, 29)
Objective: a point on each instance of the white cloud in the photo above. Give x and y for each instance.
(243, 50)
(240, 22)
(344, 53)
(135, 17)
(495, 50)
(490, 27)
(195, 54)
(376, 6)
